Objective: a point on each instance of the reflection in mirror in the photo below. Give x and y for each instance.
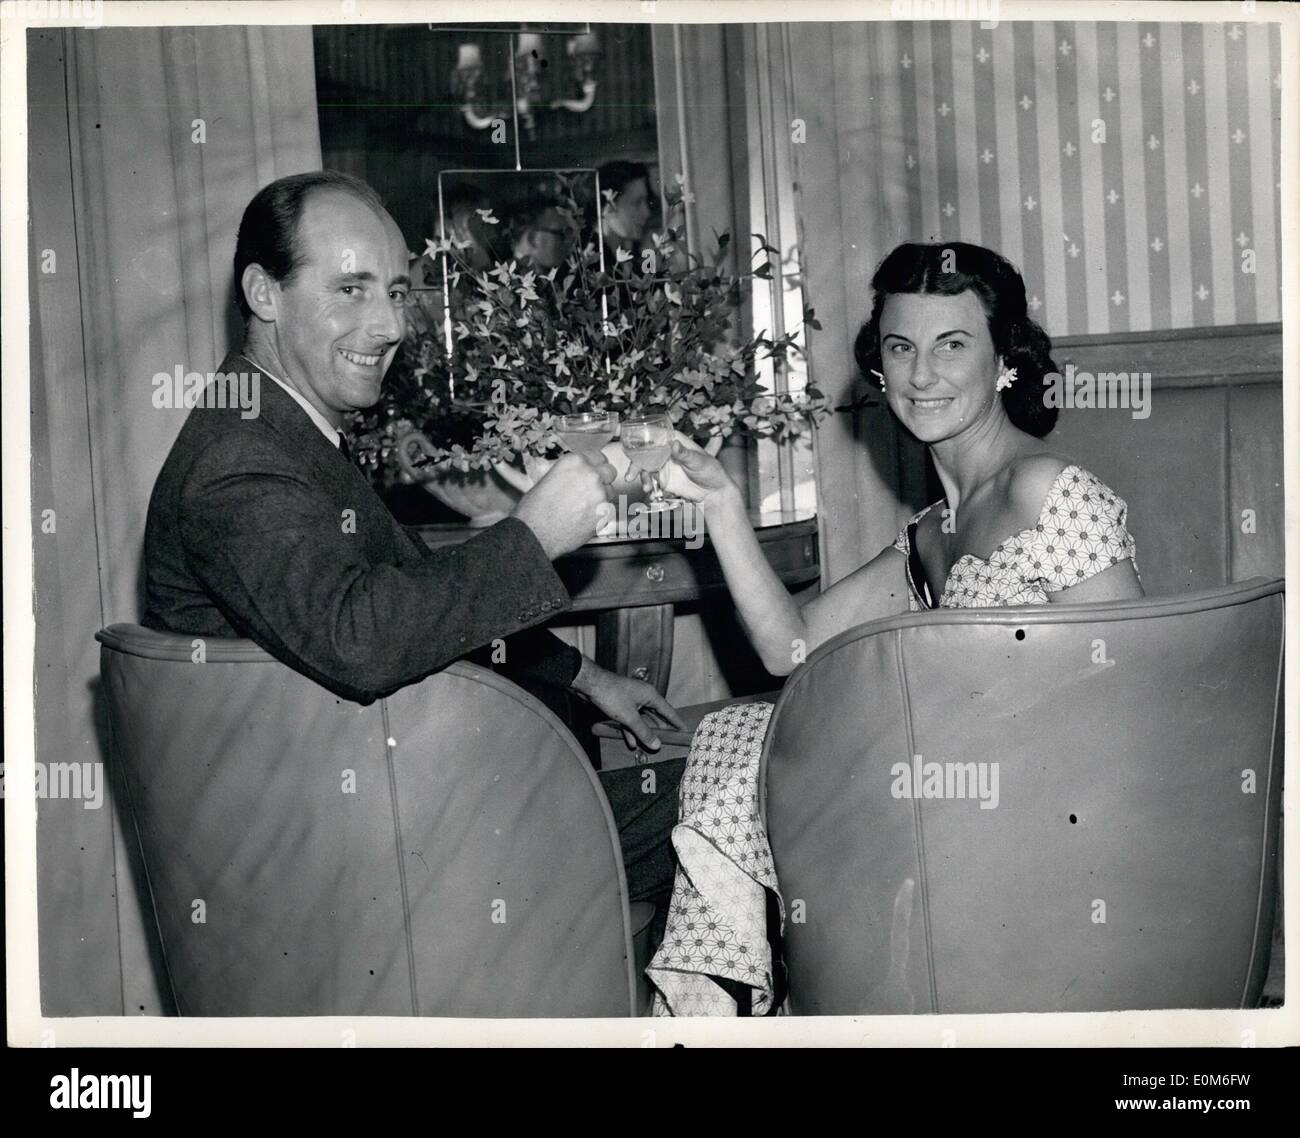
(401, 103)
(505, 237)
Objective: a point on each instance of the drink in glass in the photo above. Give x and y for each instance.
(648, 441)
(588, 432)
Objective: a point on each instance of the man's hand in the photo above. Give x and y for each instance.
(568, 505)
(622, 699)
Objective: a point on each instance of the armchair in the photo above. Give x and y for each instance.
(446, 851)
(1056, 808)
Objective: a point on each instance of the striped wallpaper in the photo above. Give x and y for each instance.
(1127, 168)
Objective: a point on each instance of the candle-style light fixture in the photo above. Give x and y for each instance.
(533, 86)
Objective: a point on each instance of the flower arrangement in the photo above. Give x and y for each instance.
(653, 332)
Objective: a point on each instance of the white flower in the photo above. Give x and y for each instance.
(1006, 379)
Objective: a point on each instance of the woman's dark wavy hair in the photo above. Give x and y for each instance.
(268, 231)
(1022, 344)
(620, 173)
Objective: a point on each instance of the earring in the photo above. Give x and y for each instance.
(1005, 379)
(879, 377)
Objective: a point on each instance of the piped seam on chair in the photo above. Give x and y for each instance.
(144, 862)
(1138, 608)
(401, 858)
(917, 828)
(147, 644)
(1263, 897)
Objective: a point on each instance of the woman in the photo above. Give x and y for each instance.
(627, 208)
(961, 363)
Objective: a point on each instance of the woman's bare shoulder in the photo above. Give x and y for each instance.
(1031, 477)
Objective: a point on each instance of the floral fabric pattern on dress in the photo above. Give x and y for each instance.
(717, 920)
(1080, 531)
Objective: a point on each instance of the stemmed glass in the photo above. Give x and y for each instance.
(648, 442)
(587, 432)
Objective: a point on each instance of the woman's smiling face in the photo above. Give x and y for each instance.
(939, 363)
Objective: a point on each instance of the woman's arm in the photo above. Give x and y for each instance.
(782, 631)
(770, 616)
(877, 590)
(1118, 583)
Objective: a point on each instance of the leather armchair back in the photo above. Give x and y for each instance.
(444, 852)
(1112, 845)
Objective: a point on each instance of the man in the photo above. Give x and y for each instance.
(261, 527)
(540, 234)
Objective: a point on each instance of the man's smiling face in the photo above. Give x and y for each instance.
(340, 317)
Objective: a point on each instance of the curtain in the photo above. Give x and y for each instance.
(146, 144)
(840, 100)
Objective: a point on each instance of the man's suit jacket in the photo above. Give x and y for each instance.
(261, 528)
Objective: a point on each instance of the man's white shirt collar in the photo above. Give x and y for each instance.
(326, 428)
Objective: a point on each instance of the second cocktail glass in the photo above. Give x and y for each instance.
(648, 443)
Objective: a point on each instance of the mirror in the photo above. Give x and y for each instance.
(539, 220)
(402, 104)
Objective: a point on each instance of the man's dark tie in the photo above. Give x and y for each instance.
(343, 446)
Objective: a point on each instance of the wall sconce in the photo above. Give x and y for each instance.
(467, 85)
(584, 53)
(527, 76)
(527, 79)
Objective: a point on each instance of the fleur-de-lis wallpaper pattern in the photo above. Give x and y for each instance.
(1130, 170)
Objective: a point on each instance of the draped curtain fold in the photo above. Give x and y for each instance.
(146, 144)
(843, 96)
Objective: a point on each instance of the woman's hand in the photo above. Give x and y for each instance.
(694, 474)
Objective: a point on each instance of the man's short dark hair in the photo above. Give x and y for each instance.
(268, 231)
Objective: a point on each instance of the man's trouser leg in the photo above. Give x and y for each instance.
(644, 802)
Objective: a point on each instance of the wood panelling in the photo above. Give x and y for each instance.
(1241, 353)
(1210, 449)
(1255, 479)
